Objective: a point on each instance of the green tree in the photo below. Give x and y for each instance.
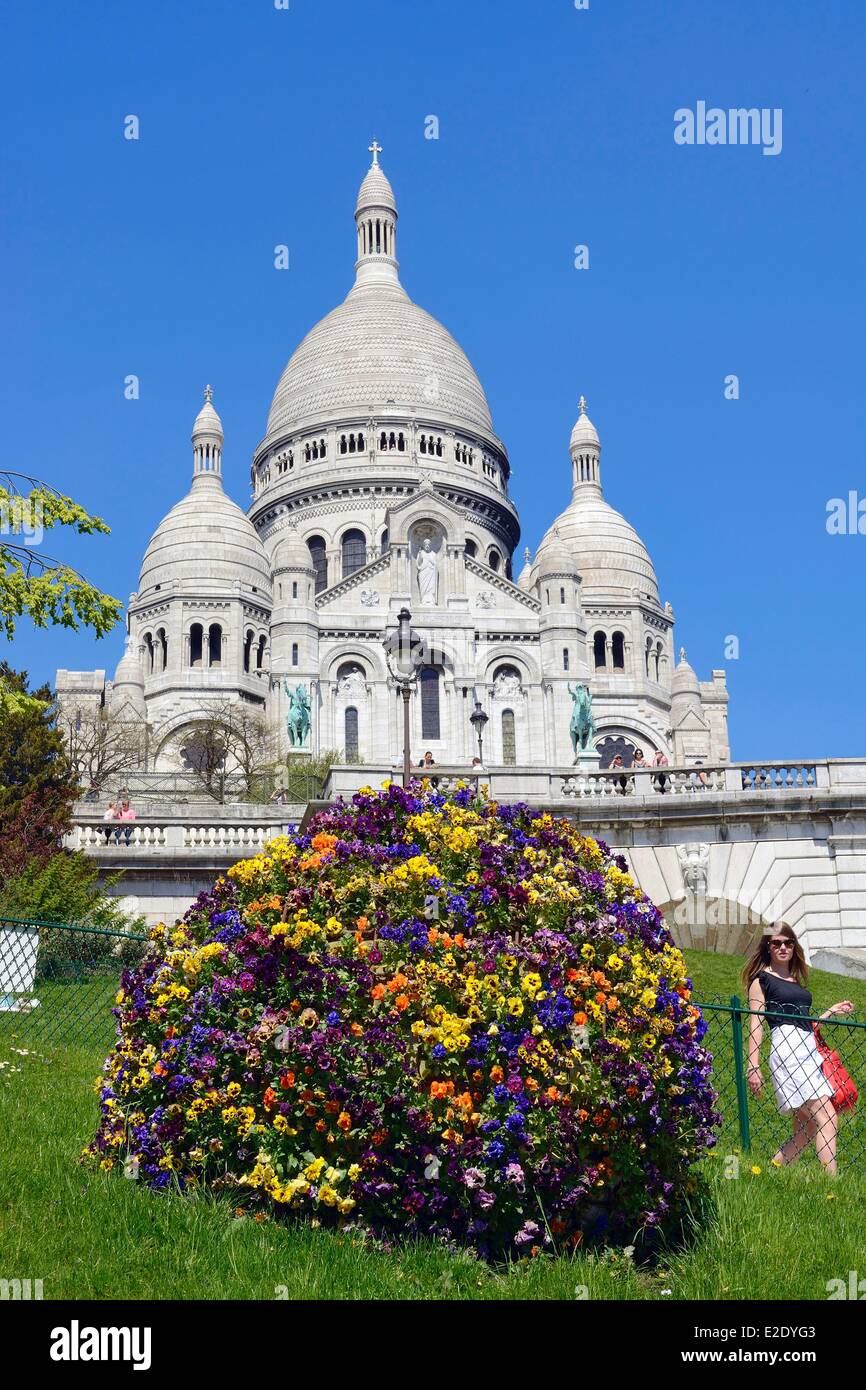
(32, 583)
(36, 791)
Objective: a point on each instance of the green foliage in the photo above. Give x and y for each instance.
(306, 776)
(36, 791)
(66, 889)
(33, 584)
(32, 750)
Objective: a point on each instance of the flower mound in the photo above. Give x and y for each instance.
(433, 1015)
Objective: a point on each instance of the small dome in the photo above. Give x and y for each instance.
(584, 433)
(685, 681)
(376, 191)
(609, 555)
(524, 579)
(291, 552)
(208, 424)
(127, 689)
(206, 542)
(556, 558)
(129, 667)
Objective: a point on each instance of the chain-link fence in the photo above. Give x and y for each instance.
(58, 983)
(795, 1066)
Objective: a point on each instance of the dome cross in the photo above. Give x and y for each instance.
(375, 150)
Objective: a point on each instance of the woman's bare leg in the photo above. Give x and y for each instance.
(804, 1130)
(826, 1125)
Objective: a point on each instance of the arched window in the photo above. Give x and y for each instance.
(294, 653)
(354, 551)
(658, 655)
(260, 653)
(471, 548)
(509, 743)
(196, 643)
(214, 645)
(565, 658)
(649, 647)
(161, 653)
(294, 588)
(343, 445)
(493, 559)
(248, 646)
(351, 726)
(383, 543)
(508, 574)
(429, 680)
(599, 653)
(619, 651)
(318, 555)
(148, 653)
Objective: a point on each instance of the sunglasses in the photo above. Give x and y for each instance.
(781, 942)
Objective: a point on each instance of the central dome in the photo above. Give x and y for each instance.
(375, 348)
(377, 351)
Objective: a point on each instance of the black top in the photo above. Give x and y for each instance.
(788, 998)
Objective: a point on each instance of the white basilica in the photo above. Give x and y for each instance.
(381, 484)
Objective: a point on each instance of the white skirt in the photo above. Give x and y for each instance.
(795, 1068)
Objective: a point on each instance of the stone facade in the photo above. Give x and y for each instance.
(381, 483)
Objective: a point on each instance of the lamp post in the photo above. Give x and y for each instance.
(401, 649)
(478, 720)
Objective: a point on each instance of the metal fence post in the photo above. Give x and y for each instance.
(740, 1072)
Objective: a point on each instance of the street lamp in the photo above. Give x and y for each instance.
(478, 719)
(402, 654)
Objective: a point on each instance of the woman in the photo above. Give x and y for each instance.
(776, 976)
(126, 813)
(110, 816)
(617, 765)
(660, 760)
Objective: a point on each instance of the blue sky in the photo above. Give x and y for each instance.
(155, 257)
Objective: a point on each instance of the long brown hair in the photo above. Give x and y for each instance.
(761, 958)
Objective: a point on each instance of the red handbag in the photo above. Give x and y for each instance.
(845, 1093)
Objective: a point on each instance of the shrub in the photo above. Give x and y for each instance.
(66, 890)
(520, 1073)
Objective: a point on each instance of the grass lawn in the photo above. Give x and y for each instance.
(774, 1235)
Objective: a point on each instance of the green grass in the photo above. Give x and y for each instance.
(774, 1235)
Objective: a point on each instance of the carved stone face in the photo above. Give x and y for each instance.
(426, 542)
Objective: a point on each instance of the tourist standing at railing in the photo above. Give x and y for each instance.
(699, 779)
(110, 817)
(776, 976)
(126, 814)
(616, 765)
(660, 760)
(639, 760)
